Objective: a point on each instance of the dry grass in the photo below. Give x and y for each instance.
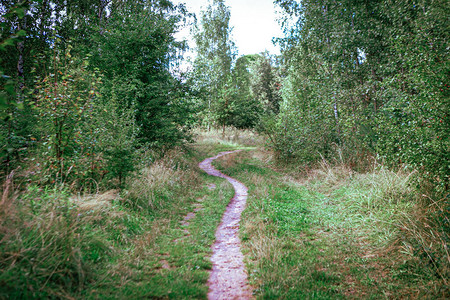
(161, 181)
(96, 202)
(231, 136)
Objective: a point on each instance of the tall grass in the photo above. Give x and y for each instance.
(403, 221)
(54, 244)
(333, 232)
(161, 182)
(410, 223)
(45, 248)
(425, 237)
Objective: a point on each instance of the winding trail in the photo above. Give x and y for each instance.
(228, 278)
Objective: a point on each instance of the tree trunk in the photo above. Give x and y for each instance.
(330, 69)
(336, 116)
(20, 63)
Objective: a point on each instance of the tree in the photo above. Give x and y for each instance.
(64, 100)
(265, 85)
(215, 55)
(135, 52)
(247, 108)
(367, 76)
(131, 46)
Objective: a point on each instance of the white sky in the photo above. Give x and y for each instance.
(253, 21)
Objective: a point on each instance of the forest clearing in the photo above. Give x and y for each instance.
(138, 163)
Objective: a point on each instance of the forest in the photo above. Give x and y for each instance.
(345, 140)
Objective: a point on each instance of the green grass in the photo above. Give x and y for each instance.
(166, 262)
(116, 245)
(330, 234)
(334, 234)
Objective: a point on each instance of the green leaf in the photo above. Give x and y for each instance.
(3, 100)
(20, 11)
(7, 42)
(21, 33)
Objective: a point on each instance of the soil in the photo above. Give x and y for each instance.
(228, 277)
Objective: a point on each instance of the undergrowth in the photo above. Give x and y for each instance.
(327, 233)
(49, 245)
(114, 244)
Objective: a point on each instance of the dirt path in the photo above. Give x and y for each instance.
(228, 278)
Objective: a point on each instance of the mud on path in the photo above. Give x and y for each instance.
(228, 278)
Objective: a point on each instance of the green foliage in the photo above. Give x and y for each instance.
(111, 141)
(246, 107)
(64, 100)
(119, 162)
(248, 93)
(232, 95)
(119, 142)
(416, 109)
(135, 52)
(298, 133)
(77, 67)
(212, 66)
(265, 84)
(11, 135)
(213, 39)
(368, 77)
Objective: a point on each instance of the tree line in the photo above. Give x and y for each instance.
(89, 85)
(366, 78)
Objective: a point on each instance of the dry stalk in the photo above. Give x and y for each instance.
(6, 187)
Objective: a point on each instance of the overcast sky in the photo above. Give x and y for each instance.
(253, 21)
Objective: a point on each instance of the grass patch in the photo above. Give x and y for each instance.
(117, 244)
(329, 234)
(336, 234)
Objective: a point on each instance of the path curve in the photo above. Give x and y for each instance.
(228, 278)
